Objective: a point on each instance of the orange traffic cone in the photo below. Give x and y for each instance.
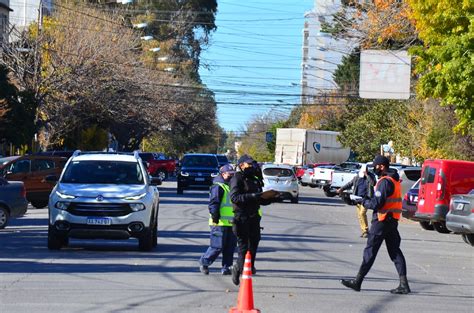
(245, 298)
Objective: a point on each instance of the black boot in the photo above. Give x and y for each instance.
(403, 288)
(353, 283)
(235, 276)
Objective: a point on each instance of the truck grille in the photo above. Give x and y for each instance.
(99, 209)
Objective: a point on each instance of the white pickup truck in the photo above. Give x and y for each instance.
(322, 176)
(341, 175)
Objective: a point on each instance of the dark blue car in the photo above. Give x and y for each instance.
(13, 201)
(197, 170)
(410, 200)
(409, 206)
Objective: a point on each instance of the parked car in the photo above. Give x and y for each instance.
(460, 218)
(222, 159)
(6, 160)
(299, 171)
(408, 176)
(440, 179)
(32, 170)
(158, 165)
(103, 196)
(281, 178)
(307, 177)
(13, 201)
(409, 202)
(197, 171)
(59, 153)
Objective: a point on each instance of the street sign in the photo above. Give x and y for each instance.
(268, 136)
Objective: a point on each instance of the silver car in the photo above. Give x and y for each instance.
(460, 218)
(281, 178)
(104, 196)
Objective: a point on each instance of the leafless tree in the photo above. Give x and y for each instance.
(87, 68)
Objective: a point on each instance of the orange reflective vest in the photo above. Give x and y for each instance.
(393, 203)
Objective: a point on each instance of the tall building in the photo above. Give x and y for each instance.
(27, 11)
(321, 52)
(4, 19)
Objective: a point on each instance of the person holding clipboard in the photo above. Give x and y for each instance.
(247, 196)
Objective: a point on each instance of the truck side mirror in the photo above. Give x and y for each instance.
(156, 181)
(52, 179)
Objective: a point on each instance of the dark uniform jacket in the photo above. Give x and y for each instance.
(245, 195)
(370, 181)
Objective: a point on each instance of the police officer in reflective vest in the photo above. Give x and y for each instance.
(387, 207)
(220, 221)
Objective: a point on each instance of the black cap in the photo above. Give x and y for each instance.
(245, 159)
(381, 160)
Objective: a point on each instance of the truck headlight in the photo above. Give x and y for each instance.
(214, 174)
(137, 207)
(62, 205)
(137, 197)
(184, 174)
(64, 196)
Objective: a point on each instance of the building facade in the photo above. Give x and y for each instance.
(4, 19)
(321, 53)
(26, 12)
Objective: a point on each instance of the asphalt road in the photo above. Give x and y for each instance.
(305, 250)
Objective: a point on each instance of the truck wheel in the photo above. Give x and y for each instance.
(441, 227)
(4, 217)
(468, 238)
(155, 234)
(304, 184)
(330, 194)
(145, 243)
(39, 204)
(179, 191)
(161, 174)
(312, 186)
(294, 200)
(426, 226)
(54, 241)
(347, 200)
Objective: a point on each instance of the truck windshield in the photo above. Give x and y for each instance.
(200, 161)
(103, 172)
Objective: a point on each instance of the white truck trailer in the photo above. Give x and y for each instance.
(297, 146)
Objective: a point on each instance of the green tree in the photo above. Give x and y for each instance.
(346, 75)
(445, 61)
(19, 112)
(375, 127)
(253, 141)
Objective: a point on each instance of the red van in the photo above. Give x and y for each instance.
(439, 180)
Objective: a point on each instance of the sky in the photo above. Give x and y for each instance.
(253, 61)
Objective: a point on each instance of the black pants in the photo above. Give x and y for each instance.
(379, 231)
(248, 237)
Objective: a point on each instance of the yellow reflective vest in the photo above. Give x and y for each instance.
(226, 212)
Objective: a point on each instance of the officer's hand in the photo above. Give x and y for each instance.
(269, 194)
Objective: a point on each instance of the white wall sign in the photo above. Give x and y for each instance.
(384, 74)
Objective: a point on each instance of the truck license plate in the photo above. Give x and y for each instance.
(98, 221)
(199, 179)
